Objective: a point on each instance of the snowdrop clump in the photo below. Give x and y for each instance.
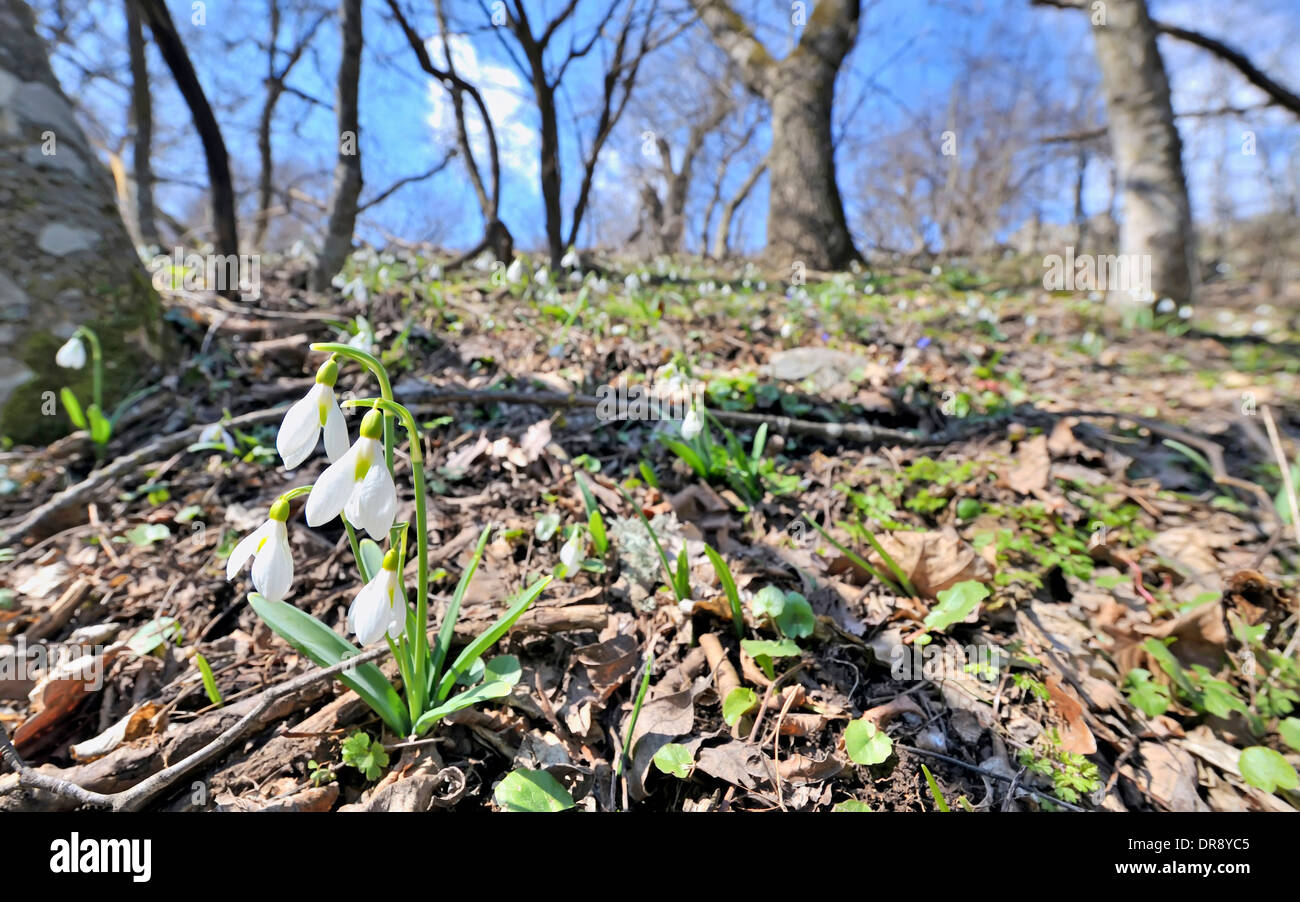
(359, 488)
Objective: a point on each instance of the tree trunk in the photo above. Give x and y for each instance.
(550, 164)
(1148, 152)
(65, 256)
(805, 215)
(205, 122)
(723, 238)
(142, 125)
(347, 171)
(266, 162)
(805, 221)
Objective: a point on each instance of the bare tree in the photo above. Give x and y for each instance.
(496, 237)
(805, 212)
(142, 128)
(632, 41)
(173, 53)
(346, 194)
(722, 239)
(277, 72)
(1157, 220)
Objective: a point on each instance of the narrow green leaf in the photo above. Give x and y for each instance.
(448, 627)
(101, 430)
(209, 681)
(483, 642)
(327, 648)
(729, 587)
(939, 800)
(73, 407)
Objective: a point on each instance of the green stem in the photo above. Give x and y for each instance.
(420, 656)
(96, 365)
(372, 363)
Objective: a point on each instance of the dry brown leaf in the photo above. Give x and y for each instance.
(1030, 474)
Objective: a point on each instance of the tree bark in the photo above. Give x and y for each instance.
(723, 238)
(142, 129)
(205, 122)
(1148, 151)
(65, 256)
(805, 221)
(347, 171)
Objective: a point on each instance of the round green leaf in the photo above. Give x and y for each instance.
(674, 758)
(1290, 730)
(1266, 769)
(768, 602)
(739, 702)
(796, 618)
(786, 648)
(866, 743)
(852, 805)
(532, 790)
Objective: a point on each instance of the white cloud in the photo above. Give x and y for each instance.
(507, 100)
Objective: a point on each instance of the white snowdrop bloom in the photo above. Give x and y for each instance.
(762, 286)
(515, 271)
(1260, 326)
(268, 546)
(692, 425)
(1031, 320)
(786, 330)
(936, 270)
(358, 484)
(572, 548)
(570, 259)
(356, 289)
(632, 282)
(217, 434)
(72, 356)
(1095, 296)
(1185, 312)
(543, 277)
(1224, 316)
(434, 272)
(302, 425)
(379, 607)
(1166, 305)
(1263, 309)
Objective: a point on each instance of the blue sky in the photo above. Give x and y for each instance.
(905, 62)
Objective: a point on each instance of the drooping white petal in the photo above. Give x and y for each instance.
(300, 429)
(397, 626)
(691, 425)
(569, 553)
(72, 355)
(246, 548)
(371, 611)
(273, 566)
(336, 430)
(373, 503)
(332, 489)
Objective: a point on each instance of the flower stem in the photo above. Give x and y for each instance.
(420, 641)
(372, 363)
(96, 366)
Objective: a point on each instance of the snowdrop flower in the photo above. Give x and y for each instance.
(543, 277)
(692, 425)
(1166, 305)
(72, 356)
(570, 259)
(1185, 312)
(569, 553)
(302, 425)
(358, 484)
(515, 271)
(268, 546)
(217, 434)
(632, 283)
(379, 608)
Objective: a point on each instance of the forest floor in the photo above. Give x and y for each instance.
(1087, 508)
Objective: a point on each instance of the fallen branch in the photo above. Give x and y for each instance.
(161, 447)
(147, 790)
